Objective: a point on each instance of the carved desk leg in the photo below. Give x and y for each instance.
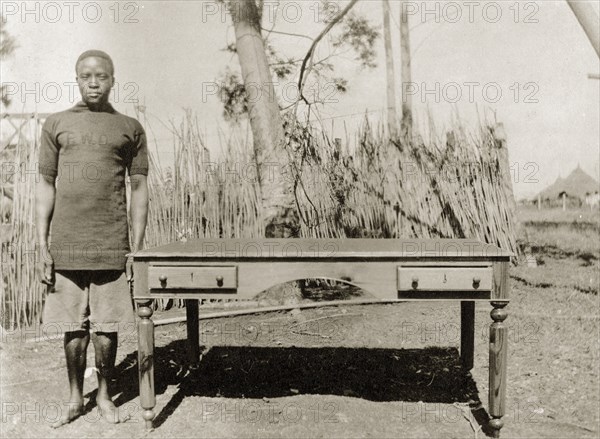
(498, 356)
(146, 360)
(193, 330)
(467, 333)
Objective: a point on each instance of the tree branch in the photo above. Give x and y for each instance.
(287, 33)
(313, 46)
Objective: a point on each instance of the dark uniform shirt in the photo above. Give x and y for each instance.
(85, 154)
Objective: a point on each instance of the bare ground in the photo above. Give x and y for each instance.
(356, 371)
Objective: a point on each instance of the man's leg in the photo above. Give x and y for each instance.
(105, 346)
(66, 308)
(111, 311)
(76, 343)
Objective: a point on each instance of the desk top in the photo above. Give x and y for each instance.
(272, 249)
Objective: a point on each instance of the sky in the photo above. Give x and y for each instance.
(522, 63)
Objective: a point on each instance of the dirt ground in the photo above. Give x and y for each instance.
(382, 371)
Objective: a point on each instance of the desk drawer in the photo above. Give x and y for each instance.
(194, 277)
(444, 278)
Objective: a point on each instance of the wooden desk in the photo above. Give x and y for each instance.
(456, 270)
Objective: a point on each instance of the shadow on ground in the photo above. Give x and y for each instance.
(411, 375)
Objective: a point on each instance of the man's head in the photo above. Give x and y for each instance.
(95, 77)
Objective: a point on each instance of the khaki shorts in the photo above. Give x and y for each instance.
(94, 300)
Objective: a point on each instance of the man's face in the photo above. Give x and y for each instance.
(95, 80)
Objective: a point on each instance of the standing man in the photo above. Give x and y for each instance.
(85, 153)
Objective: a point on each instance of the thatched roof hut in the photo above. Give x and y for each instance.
(577, 185)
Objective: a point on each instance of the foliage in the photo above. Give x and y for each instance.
(232, 94)
(361, 36)
(356, 34)
(7, 47)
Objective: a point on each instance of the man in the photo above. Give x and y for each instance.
(85, 153)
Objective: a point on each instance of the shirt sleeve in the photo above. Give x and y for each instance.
(49, 150)
(137, 158)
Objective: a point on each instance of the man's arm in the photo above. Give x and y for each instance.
(139, 209)
(45, 196)
(139, 216)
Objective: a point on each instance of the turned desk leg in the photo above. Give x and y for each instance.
(146, 360)
(498, 357)
(193, 330)
(467, 334)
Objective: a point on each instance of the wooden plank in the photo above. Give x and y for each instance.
(444, 278)
(444, 263)
(467, 334)
(498, 351)
(193, 331)
(415, 296)
(140, 278)
(163, 277)
(497, 367)
(275, 249)
(146, 361)
(379, 279)
(500, 287)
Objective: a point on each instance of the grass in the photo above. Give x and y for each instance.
(563, 238)
(584, 214)
(574, 232)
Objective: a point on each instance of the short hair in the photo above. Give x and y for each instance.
(97, 54)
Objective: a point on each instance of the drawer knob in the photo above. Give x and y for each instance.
(476, 282)
(220, 281)
(163, 280)
(415, 282)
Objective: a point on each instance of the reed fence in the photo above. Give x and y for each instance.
(368, 185)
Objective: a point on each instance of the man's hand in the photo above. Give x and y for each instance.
(129, 268)
(46, 269)
(44, 207)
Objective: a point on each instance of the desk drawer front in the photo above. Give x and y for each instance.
(170, 277)
(444, 278)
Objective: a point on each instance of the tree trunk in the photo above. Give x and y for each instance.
(406, 73)
(389, 63)
(588, 18)
(278, 209)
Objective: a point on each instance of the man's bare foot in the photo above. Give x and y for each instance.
(109, 411)
(74, 410)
